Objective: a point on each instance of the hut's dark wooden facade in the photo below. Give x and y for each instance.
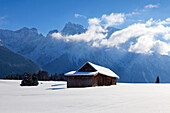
(91, 75)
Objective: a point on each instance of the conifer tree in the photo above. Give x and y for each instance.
(35, 79)
(27, 80)
(157, 79)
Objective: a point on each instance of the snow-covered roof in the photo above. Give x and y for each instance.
(81, 73)
(100, 69)
(103, 70)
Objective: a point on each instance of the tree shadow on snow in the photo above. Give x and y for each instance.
(54, 88)
(58, 85)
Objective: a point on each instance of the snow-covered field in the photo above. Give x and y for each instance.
(54, 97)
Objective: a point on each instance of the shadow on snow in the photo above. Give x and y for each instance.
(58, 85)
(53, 87)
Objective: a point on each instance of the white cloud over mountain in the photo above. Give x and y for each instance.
(79, 15)
(113, 19)
(94, 21)
(151, 6)
(152, 36)
(3, 20)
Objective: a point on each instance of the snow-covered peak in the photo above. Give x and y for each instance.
(51, 32)
(34, 30)
(25, 29)
(111, 30)
(22, 41)
(72, 29)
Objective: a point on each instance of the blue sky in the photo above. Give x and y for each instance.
(46, 15)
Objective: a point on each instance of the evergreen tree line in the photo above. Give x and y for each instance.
(41, 75)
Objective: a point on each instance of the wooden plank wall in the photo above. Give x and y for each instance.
(105, 80)
(79, 81)
(89, 81)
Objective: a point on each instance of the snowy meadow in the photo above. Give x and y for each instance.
(55, 97)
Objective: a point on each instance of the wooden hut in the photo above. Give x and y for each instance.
(91, 75)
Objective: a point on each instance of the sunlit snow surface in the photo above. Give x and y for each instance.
(54, 97)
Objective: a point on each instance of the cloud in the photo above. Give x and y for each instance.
(167, 37)
(148, 38)
(108, 20)
(93, 33)
(161, 47)
(140, 11)
(133, 13)
(2, 20)
(152, 36)
(151, 6)
(79, 15)
(94, 21)
(143, 45)
(113, 19)
(97, 29)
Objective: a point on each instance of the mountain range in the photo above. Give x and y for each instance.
(66, 50)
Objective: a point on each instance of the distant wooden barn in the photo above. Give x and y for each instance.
(91, 75)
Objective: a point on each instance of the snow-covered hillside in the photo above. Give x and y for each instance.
(126, 51)
(12, 63)
(54, 97)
